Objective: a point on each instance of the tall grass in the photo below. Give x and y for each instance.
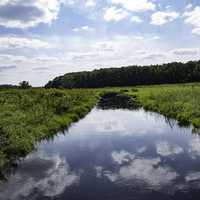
(178, 101)
(28, 116)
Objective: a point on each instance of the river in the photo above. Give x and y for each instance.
(111, 155)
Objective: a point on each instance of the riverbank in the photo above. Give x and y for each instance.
(178, 101)
(29, 116)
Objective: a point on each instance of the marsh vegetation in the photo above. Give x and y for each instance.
(31, 115)
(28, 116)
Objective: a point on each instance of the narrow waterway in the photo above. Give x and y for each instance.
(111, 155)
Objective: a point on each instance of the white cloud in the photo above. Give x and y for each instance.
(192, 17)
(77, 53)
(20, 42)
(156, 37)
(166, 149)
(136, 19)
(189, 6)
(153, 56)
(115, 14)
(136, 5)
(186, 51)
(160, 18)
(90, 3)
(5, 68)
(84, 28)
(28, 13)
(196, 31)
(68, 2)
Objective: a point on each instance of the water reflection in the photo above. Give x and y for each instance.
(163, 148)
(147, 170)
(41, 173)
(112, 154)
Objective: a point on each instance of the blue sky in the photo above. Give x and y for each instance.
(41, 39)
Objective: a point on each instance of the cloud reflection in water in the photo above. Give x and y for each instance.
(51, 178)
(132, 169)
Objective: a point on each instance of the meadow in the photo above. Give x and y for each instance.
(28, 116)
(31, 115)
(178, 101)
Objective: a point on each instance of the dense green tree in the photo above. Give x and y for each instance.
(175, 72)
(24, 85)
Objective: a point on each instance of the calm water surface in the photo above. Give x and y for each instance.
(111, 155)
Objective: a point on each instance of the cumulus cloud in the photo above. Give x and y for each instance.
(136, 19)
(115, 14)
(78, 52)
(196, 31)
(105, 46)
(160, 18)
(90, 3)
(84, 28)
(192, 17)
(136, 5)
(166, 149)
(20, 42)
(28, 13)
(189, 6)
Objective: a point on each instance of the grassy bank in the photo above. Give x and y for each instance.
(28, 116)
(179, 101)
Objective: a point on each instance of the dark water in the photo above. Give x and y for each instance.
(112, 154)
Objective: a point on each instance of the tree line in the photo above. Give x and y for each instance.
(175, 72)
(22, 85)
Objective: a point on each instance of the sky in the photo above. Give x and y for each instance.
(42, 39)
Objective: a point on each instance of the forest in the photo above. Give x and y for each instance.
(175, 72)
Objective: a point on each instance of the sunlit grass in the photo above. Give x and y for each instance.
(178, 101)
(28, 116)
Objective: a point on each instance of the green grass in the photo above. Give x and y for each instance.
(28, 116)
(179, 101)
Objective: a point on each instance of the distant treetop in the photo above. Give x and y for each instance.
(24, 85)
(175, 72)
